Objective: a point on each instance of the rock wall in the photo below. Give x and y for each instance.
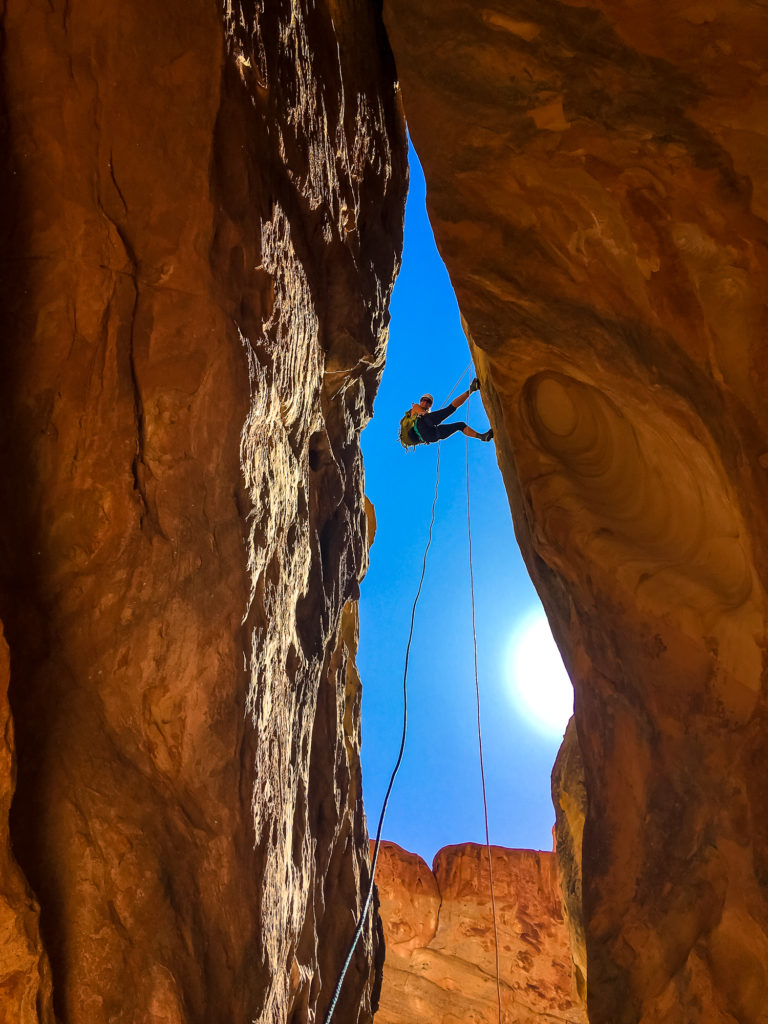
(25, 981)
(438, 927)
(201, 219)
(570, 800)
(597, 179)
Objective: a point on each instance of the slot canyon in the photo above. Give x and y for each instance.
(202, 223)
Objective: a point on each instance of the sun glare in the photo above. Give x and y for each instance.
(540, 685)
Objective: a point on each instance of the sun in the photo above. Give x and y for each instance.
(540, 685)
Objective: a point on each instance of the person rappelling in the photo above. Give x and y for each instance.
(422, 426)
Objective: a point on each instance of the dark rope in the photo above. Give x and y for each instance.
(366, 905)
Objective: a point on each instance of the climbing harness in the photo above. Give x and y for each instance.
(396, 769)
(480, 731)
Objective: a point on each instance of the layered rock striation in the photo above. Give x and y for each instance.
(597, 177)
(201, 222)
(441, 952)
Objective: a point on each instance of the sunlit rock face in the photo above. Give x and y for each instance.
(201, 214)
(597, 176)
(438, 926)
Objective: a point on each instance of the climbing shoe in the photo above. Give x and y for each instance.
(487, 436)
(474, 386)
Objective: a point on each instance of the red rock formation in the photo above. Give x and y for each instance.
(202, 210)
(25, 982)
(570, 800)
(597, 177)
(440, 952)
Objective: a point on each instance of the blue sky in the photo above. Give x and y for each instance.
(437, 798)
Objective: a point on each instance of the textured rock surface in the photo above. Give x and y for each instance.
(201, 211)
(570, 800)
(597, 178)
(440, 964)
(24, 972)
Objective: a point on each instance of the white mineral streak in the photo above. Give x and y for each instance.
(285, 374)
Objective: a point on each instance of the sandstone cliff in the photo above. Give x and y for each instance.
(597, 179)
(201, 220)
(438, 927)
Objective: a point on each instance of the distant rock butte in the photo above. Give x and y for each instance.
(597, 178)
(440, 961)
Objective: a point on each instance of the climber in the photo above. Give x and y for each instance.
(420, 426)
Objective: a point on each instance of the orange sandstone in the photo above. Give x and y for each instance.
(201, 222)
(440, 961)
(597, 175)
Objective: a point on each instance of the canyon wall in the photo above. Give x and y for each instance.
(597, 178)
(201, 222)
(441, 954)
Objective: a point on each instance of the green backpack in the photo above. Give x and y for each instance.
(407, 423)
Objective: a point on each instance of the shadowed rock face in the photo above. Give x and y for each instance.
(201, 215)
(24, 975)
(597, 178)
(438, 928)
(569, 798)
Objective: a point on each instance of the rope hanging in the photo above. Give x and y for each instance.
(396, 769)
(480, 733)
(461, 378)
(374, 861)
